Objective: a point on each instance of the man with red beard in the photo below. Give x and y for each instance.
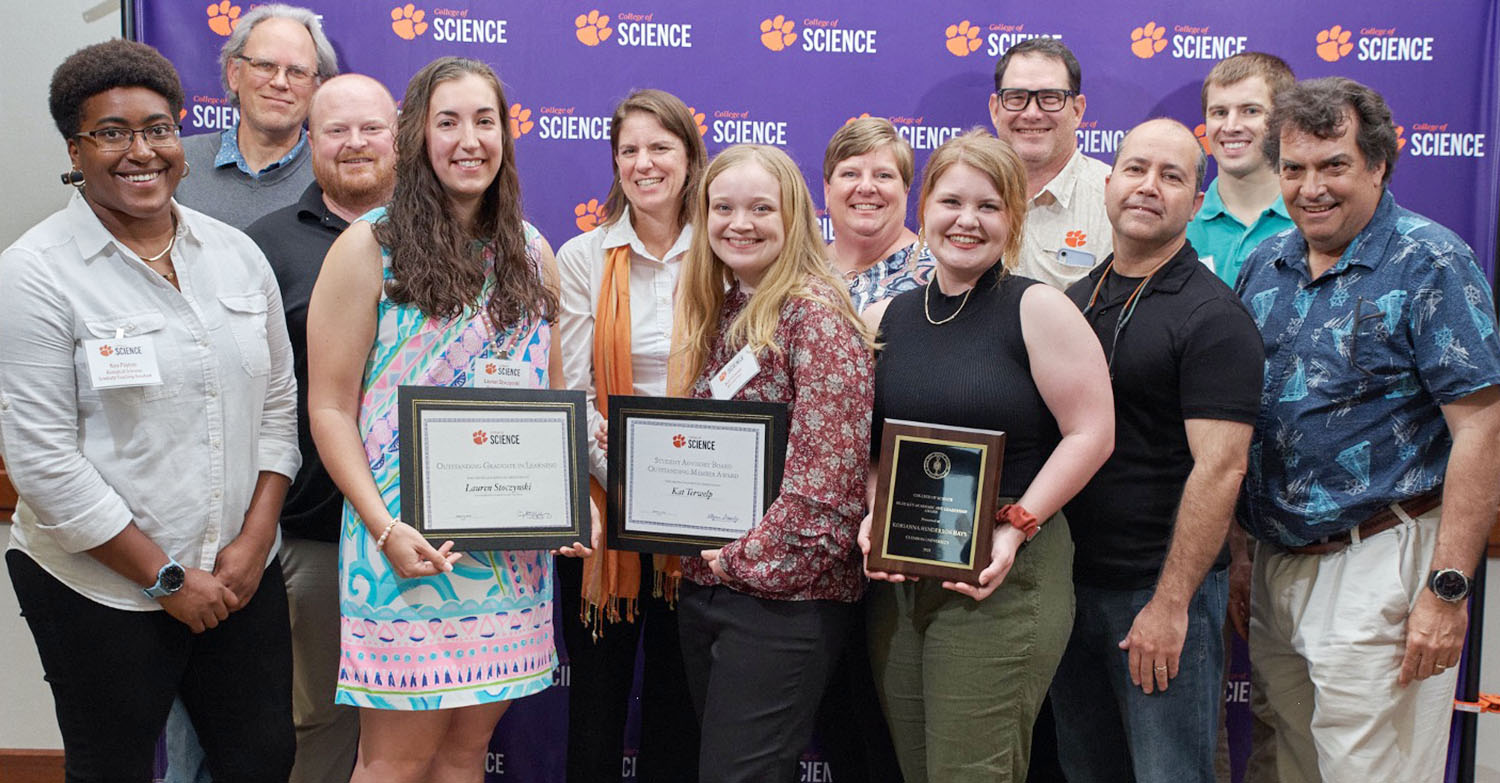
(1036, 107)
(351, 132)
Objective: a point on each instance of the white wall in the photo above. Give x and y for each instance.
(36, 37)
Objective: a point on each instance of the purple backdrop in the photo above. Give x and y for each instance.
(791, 74)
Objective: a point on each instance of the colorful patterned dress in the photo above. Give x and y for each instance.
(482, 633)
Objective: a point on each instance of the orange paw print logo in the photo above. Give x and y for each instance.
(588, 214)
(1076, 239)
(1400, 138)
(490, 369)
(593, 28)
(1201, 131)
(480, 436)
(406, 21)
(679, 441)
(105, 350)
(776, 33)
(1333, 43)
(520, 121)
(864, 115)
(963, 38)
(698, 120)
(181, 114)
(223, 17)
(1147, 41)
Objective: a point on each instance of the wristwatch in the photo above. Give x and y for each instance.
(1449, 584)
(168, 580)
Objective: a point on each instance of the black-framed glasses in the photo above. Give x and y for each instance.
(1017, 99)
(1359, 320)
(267, 70)
(119, 139)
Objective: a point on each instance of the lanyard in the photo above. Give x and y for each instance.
(1129, 307)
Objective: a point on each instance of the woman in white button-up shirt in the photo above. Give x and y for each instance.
(658, 153)
(147, 418)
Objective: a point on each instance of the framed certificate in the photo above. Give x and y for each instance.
(687, 475)
(935, 495)
(494, 468)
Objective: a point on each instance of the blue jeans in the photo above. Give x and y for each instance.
(1108, 729)
(186, 762)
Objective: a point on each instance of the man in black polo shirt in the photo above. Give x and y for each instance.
(351, 129)
(1139, 686)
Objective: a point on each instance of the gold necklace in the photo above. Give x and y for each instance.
(927, 306)
(170, 243)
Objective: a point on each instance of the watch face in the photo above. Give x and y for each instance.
(172, 577)
(1450, 585)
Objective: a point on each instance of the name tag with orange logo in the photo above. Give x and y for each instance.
(122, 362)
(734, 374)
(500, 374)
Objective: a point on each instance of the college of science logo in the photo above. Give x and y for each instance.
(1375, 44)
(594, 28)
(826, 36)
(1188, 42)
(964, 38)
(482, 438)
(223, 17)
(564, 123)
(1094, 140)
(918, 135)
(700, 444)
(1435, 140)
(936, 465)
(452, 25)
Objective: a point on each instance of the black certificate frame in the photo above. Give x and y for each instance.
(622, 408)
(908, 448)
(412, 400)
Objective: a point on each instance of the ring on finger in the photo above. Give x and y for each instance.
(1161, 667)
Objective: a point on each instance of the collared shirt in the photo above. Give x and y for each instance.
(181, 458)
(1223, 241)
(1067, 230)
(903, 270)
(580, 265)
(803, 548)
(1357, 364)
(295, 240)
(229, 152)
(1187, 349)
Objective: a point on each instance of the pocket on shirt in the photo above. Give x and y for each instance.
(144, 323)
(245, 315)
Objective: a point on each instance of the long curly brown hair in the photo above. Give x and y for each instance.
(435, 263)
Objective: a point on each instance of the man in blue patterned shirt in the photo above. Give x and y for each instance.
(1374, 475)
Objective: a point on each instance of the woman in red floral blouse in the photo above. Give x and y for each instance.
(762, 619)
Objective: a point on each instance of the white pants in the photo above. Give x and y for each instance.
(1327, 634)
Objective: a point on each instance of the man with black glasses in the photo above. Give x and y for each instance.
(1036, 107)
(270, 65)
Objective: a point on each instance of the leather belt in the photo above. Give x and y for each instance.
(1381, 521)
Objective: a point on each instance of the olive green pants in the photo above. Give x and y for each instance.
(962, 681)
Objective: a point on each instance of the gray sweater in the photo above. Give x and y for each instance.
(233, 196)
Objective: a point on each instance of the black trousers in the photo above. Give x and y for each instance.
(601, 673)
(756, 670)
(113, 675)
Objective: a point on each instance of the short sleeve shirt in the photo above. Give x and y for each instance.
(1357, 364)
(1067, 230)
(1223, 241)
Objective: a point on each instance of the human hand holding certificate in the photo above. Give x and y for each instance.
(494, 468)
(687, 475)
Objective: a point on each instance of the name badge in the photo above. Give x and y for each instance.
(500, 373)
(122, 362)
(1208, 261)
(734, 375)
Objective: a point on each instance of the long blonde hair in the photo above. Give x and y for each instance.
(705, 278)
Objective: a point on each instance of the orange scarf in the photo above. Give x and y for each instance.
(610, 576)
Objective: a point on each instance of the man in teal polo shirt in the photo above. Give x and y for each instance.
(1242, 206)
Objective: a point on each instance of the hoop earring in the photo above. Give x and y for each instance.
(186, 169)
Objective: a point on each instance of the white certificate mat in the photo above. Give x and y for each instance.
(500, 470)
(696, 478)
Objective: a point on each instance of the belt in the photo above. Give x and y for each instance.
(1383, 520)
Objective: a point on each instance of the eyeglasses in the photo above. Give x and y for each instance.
(267, 70)
(1017, 99)
(1359, 320)
(120, 139)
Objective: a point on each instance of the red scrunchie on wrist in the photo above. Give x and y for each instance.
(1018, 518)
